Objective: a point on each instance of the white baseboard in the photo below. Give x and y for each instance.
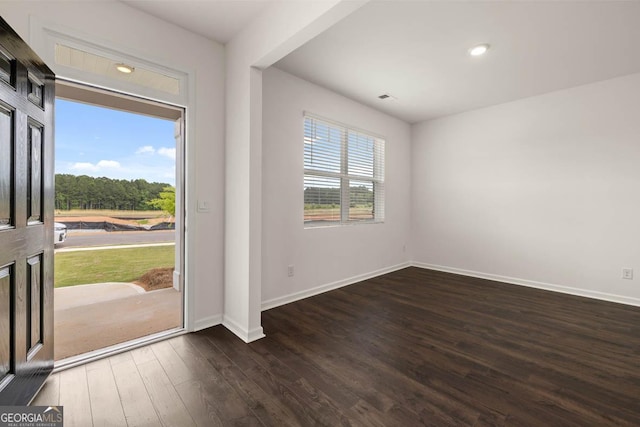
(242, 333)
(255, 334)
(533, 284)
(207, 322)
(296, 296)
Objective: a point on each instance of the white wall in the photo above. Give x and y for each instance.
(327, 256)
(283, 27)
(543, 191)
(178, 49)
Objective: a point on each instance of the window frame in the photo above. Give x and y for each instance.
(377, 179)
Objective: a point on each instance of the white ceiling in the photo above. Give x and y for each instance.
(417, 52)
(219, 20)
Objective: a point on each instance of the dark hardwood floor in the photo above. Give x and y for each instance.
(414, 347)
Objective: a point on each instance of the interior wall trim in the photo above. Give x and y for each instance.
(242, 333)
(296, 296)
(620, 299)
(207, 322)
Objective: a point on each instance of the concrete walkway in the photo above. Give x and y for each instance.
(75, 296)
(90, 317)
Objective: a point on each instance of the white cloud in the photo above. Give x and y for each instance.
(90, 167)
(167, 152)
(84, 166)
(108, 164)
(146, 149)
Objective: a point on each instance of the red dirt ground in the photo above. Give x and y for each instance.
(158, 278)
(151, 221)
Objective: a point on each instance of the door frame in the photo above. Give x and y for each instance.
(89, 94)
(44, 36)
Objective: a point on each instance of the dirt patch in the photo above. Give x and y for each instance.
(147, 221)
(158, 278)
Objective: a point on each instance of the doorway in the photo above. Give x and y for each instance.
(119, 215)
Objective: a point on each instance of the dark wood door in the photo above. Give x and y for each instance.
(26, 220)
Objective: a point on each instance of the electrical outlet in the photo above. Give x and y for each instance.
(290, 271)
(627, 273)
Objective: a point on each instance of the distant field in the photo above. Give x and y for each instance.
(329, 214)
(109, 265)
(110, 213)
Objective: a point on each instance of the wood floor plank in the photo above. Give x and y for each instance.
(173, 365)
(311, 405)
(357, 369)
(121, 357)
(227, 403)
(329, 385)
(200, 404)
(143, 354)
(363, 376)
(368, 415)
(394, 309)
(136, 403)
(49, 395)
(413, 347)
(439, 375)
(106, 407)
(74, 396)
(165, 398)
(265, 405)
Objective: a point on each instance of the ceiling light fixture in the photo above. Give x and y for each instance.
(479, 50)
(124, 68)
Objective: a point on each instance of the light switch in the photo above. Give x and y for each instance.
(204, 206)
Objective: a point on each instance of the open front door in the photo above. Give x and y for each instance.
(26, 220)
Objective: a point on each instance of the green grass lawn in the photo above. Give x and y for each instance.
(109, 265)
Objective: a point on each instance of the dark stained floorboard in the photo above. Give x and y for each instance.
(413, 347)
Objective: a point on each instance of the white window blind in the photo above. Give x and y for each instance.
(343, 174)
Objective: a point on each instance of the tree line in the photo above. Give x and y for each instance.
(85, 192)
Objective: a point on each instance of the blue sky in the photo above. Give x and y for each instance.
(98, 142)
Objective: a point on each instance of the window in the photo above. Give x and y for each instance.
(343, 174)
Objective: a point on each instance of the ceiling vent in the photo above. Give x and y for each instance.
(386, 96)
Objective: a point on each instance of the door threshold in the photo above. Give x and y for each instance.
(92, 356)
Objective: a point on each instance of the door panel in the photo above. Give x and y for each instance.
(34, 303)
(6, 68)
(6, 169)
(26, 220)
(34, 187)
(6, 291)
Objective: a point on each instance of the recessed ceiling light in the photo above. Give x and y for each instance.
(124, 68)
(481, 49)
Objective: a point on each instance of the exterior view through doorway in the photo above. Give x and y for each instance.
(119, 215)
